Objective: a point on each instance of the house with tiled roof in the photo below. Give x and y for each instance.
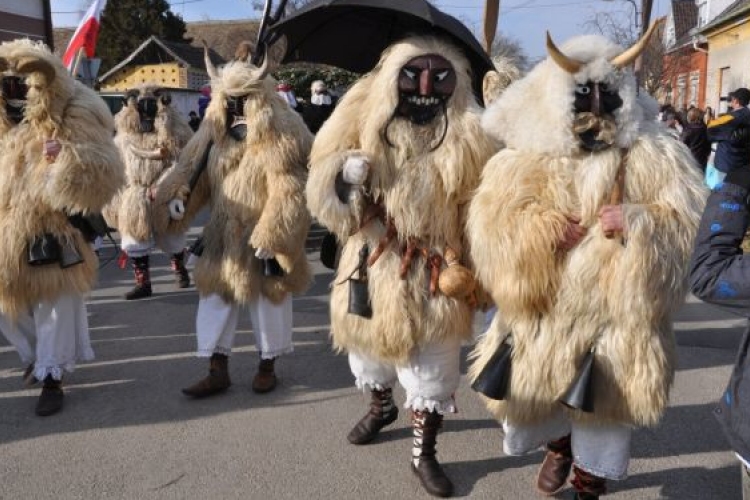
(171, 64)
(178, 67)
(728, 38)
(685, 58)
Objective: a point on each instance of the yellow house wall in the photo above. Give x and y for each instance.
(728, 47)
(167, 74)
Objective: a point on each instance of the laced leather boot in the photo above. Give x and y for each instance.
(182, 277)
(423, 462)
(217, 380)
(587, 486)
(142, 279)
(265, 380)
(51, 399)
(382, 412)
(556, 466)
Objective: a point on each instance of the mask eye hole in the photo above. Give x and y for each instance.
(439, 77)
(409, 73)
(583, 89)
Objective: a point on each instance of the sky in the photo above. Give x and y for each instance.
(525, 21)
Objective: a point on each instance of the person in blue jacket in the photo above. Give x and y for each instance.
(720, 274)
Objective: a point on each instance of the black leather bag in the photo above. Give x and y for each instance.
(90, 225)
(328, 250)
(44, 249)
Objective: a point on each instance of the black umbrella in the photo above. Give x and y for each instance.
(352, 34)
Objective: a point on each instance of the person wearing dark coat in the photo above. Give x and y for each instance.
(731, 133)
(320, 107)
(719, 274)
(695, 136)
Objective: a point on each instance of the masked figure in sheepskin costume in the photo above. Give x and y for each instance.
(256, 149)
(391, 172)
(581, 230)
(57, 164)
(150, 136)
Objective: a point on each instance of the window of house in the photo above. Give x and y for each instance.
(679, 101)
(695, 80)
(702, 13)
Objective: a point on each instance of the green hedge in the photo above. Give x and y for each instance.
(300, 78)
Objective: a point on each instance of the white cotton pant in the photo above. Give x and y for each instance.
(430, 377)
(52, 335)
(601, 450)
(169, 243)
(216, 325)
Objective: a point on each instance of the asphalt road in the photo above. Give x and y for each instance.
(127, 431)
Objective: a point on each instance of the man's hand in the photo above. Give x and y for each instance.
(356, 168)
(176, 209)
(612, 220)
(574, 232)
(264, 254)
(51, 149)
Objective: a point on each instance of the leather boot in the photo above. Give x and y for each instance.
(423, 461)
(556, 466)
(182, 277)
(382, 412)
(587, 486)
(29, 380)
(217, 380)
(142, 279)
(51, 399)
(265, 380)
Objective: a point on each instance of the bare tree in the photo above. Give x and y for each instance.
(623, 32)
(510, 48)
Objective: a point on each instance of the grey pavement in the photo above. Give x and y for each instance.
(127, 432)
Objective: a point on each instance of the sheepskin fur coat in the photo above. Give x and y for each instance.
(37, 196)
(147, 157)
(615, 295)
(254, 189)
(424, 189)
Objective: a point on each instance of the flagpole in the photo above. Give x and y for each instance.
(79, 59)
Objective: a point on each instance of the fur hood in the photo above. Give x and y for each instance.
(50, 87)
(535, 114)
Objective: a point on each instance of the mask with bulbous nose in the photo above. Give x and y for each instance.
(425, 84)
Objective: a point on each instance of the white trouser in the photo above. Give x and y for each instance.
(216, 325)
(430, 377)
(60, 330)
(601, 450)
(169, 243)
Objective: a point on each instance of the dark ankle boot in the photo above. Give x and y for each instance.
(423, 462)
(217, 380)
(142, 279)
(587, 486)
(29, 380)
(556, 466)
(51, 399)
(265, 380)
(382, 412)
(182, 277)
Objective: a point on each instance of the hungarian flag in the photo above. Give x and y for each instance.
(85, 35)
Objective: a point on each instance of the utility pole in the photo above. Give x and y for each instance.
(646, 6)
